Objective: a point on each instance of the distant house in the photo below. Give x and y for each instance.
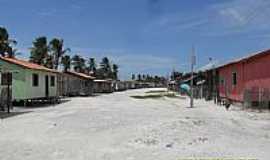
(131, 84)
(208, 81)
(120, 85)
(246, 79)
(103, 86)
(75, 84)
(29, 81)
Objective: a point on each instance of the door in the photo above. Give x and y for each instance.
(47, 86)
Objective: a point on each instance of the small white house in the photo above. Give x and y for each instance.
(29, 81)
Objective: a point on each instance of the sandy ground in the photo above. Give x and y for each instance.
(118, 127)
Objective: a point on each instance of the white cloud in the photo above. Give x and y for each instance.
(240, 16)
(176, 22)
(234, 15)
(218, 19)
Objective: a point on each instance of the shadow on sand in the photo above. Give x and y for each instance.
(41, 104)
(4, 115)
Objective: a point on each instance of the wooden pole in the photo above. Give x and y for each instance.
(191, 85)
(8, 90)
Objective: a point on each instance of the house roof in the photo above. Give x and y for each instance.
(209, 66)
(81, 75)
(245, 58)
(27, 64)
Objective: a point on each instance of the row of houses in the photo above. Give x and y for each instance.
(25, 81)
(244, 81)
(22, 81)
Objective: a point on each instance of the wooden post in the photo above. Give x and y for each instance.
(9, 83)
(193, 61)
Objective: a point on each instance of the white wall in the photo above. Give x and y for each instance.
(39, 91)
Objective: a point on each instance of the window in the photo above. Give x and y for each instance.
(234, 78)
(35, 80)
(222, 81)
(52, 81)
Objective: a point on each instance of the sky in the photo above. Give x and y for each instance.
(143, 36)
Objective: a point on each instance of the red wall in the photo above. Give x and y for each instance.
(228, 89)
(253, 73)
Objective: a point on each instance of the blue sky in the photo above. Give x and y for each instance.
(149, 36)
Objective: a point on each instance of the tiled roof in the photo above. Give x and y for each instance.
(27, 64)
(80, 75)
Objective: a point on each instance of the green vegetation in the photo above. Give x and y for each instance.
(53, 53)
(6, 44)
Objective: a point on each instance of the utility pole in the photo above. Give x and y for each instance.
(193, 62)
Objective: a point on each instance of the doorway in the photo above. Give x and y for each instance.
(47, 86)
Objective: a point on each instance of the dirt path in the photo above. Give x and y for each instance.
(116, 126)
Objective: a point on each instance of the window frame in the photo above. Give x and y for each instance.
(52, 81)
(234, 78)
(222, 81)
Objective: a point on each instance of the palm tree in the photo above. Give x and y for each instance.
(143, 77)
(39, 51)
(12, 52)
(49, 61)
(78, 63)
(139, 77)
(66, 62)
(105, 67)
(133, 77)
(115, 68)
(57, 48)
(5, 43)
(92, 66)
(83, 65)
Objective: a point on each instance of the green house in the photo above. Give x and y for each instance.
(29, 81)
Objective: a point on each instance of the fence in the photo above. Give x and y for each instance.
(257, 98)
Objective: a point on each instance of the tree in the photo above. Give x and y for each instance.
(92, 66)
(115, 68)
(148, 78)
(133, 77)
(57, 48)
(78, 63)
(12, 53)
(66, 62)
(49, 61)
(6, 43)
(143, 77)
(39, 51)
(105, 68)
(139, 77)
(175, 75)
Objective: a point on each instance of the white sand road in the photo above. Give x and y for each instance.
(118, 127)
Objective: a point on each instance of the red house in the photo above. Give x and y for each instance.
(247, 78)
